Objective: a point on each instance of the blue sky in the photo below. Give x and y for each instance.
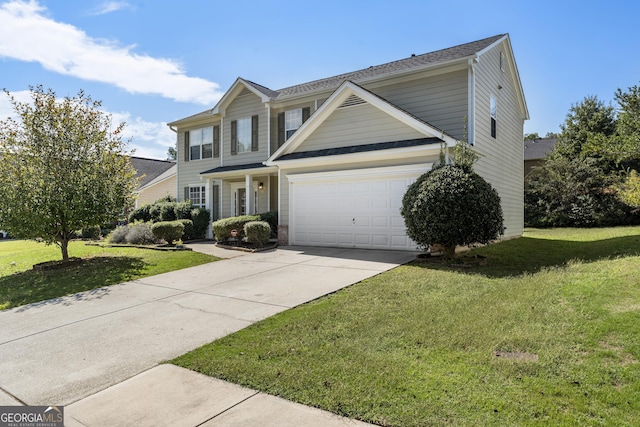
(152, 62)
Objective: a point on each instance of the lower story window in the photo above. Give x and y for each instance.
(197, 196)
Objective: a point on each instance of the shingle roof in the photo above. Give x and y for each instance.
(234, 168)
(270, 93)
(536, 149)
(413, 62)
(360, 148)
(149, 169)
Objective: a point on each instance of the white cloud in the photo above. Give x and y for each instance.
(110, 6)
(26, 34)
(6, 108)
(149, 139)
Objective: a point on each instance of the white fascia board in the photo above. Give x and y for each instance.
(367, 156)
(233, 92)
(364, 173)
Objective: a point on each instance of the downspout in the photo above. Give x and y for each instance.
(471, 113)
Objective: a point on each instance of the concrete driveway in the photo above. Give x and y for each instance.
(63, 350)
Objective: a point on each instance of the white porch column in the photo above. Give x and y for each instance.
(248, 195)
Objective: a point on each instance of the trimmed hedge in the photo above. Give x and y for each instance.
(222, 227)
(200, 218)
(135, 234)
(257, 232)
(188, 233)
(169, 231)
(169, 210)
(272, 218)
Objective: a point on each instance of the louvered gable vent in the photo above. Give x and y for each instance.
(351, 101)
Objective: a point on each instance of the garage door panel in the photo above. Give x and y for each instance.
(355, 212)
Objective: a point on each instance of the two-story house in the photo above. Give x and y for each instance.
(335, 156)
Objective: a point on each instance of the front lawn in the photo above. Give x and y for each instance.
(101, 266)
(416, 346)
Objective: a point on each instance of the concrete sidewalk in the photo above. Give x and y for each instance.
(68, 349)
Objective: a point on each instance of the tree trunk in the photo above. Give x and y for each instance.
(449, 252)
(64, 246)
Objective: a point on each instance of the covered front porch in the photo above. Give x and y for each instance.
(241, 190)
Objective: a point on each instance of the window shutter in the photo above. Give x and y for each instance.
(254, 133)
(186, 147)
(214, 203)
(306, 112)
(186, 194)
(280, 129)
(234, 137)
(216, 141)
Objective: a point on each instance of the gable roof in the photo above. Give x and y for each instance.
(169, 173)
(537, 149)
(149, 169)
(346, 90)
(402, 66)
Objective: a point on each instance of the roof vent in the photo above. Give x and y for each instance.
(413, 54)
(351, 101)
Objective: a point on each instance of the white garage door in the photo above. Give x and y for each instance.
(356, 209)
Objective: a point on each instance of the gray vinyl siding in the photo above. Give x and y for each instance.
(241, 107)
(358, 125)
(502, 161)
(440, 100)
(189, 171)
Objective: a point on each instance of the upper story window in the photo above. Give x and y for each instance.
(289, 122)
(244, 135)
(493, 112)
(292, 121)
(200, 142)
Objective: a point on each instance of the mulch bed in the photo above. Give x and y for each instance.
(245, 246)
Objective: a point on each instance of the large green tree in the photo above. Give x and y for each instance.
(63, 167)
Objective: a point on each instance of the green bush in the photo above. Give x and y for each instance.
(92, 233)
(200, 218)
(183, 210)
(140, 233)
(167, 211)
(140, 214)
(451, 206)
(222, 227)
(169, 231)
(272, 218)
(257, 232)
(165, 199)
(188, 233)
(118, 235)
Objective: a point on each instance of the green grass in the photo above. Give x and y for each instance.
(101, 266)
(415, 346)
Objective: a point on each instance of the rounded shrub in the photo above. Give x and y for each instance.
(140, 234)
(257, 232)
(222, 227)
(169, 231)
(452, 206)
(272, 218)
(183, 210)
(188, 233)
(118, 235)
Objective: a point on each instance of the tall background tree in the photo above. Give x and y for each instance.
(63, 167)
(590, 178)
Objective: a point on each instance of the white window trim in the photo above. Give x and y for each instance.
(288, 129)
(203, 195)
(249, 119)
(200, 145)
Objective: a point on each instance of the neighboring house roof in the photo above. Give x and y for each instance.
(411, 64)
(149, 169)
(360, 148)
(537, 149)
(171, 172)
